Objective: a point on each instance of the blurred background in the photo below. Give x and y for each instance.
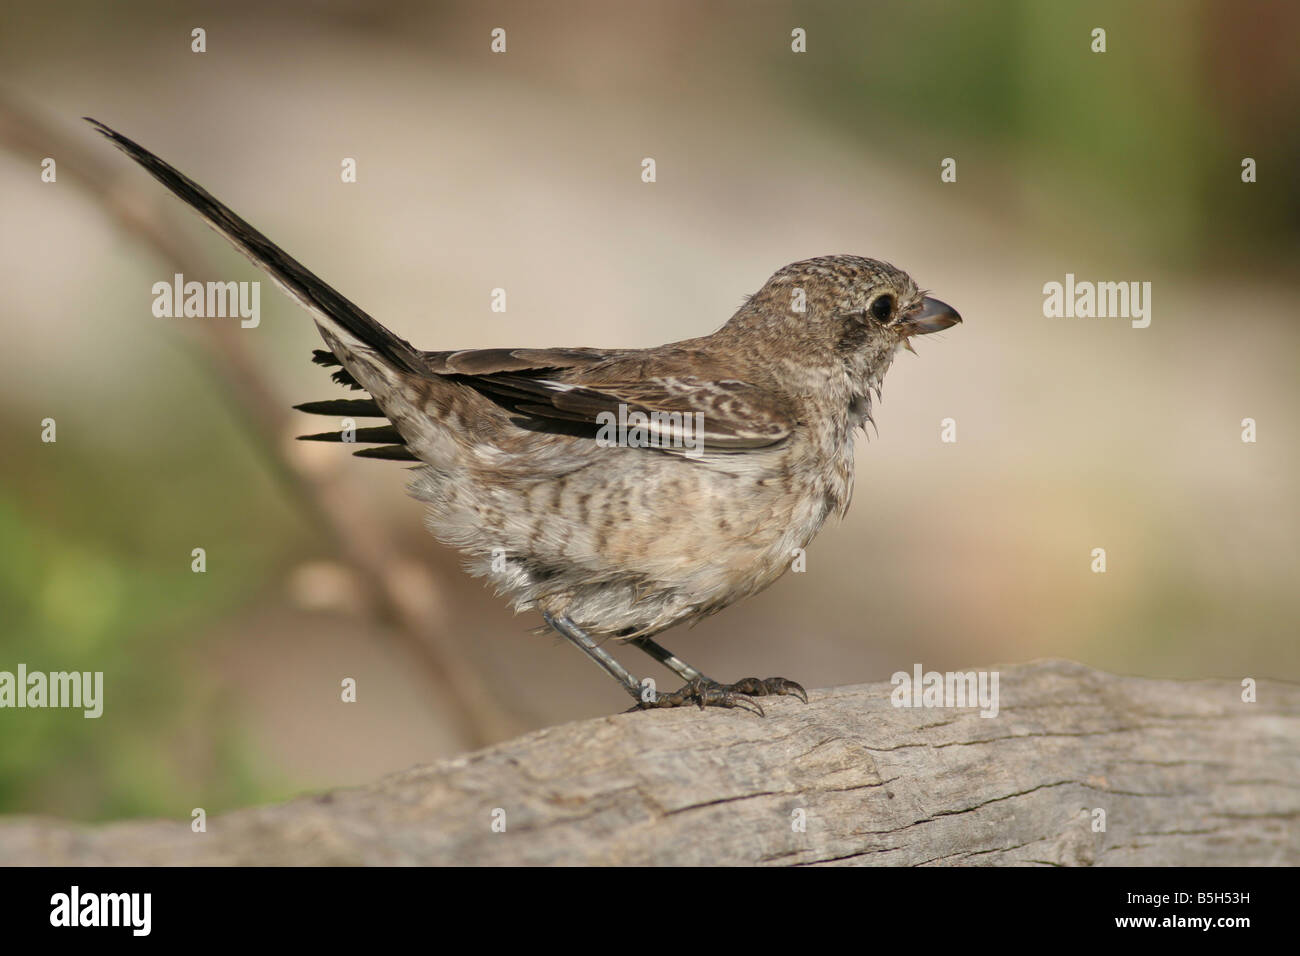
(522, 171)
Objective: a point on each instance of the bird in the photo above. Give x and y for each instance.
(620, 492)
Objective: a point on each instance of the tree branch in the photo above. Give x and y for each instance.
(1185, 773)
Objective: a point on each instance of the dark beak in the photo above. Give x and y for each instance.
(934, 316)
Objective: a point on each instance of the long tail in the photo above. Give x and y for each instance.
(331, 310)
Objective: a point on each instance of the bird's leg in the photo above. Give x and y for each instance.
(700, 687)
(667, 658)
(706, 694)
(571, 632)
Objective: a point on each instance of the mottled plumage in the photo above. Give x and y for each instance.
(623, 541)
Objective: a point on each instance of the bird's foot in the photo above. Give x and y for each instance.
(707, 693)
(769, 687)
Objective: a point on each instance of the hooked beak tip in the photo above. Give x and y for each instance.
(934, 316)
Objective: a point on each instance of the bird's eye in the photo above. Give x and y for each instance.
(882, 308)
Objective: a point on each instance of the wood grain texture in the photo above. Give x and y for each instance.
(1185, 771)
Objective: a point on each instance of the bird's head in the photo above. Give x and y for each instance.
(846, 315)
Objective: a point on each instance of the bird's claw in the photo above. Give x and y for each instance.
(706, 693)
(769, 687)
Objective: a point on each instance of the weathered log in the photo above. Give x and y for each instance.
(1079, 767)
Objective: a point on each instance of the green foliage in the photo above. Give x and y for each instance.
(96, 577)
(1141, 144)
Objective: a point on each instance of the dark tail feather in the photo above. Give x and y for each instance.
(343, 408)
(393, 445)
(325, 304)
(342, 376)
(325, 358)
(329, 308)
(379, 435)
(387, 452)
